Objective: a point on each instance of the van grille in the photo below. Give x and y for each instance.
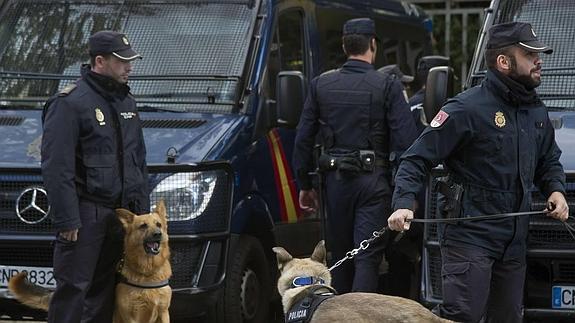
(11, 187)
(565, 272)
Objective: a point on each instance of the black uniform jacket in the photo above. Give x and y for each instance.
(498, 149)
(93, 149)
(350, 103)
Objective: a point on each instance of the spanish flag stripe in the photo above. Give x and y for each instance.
(282, 208)
(292, 205)
(286, 192)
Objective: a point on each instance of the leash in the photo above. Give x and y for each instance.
(362, 246)
(479, 217)
(376, 234)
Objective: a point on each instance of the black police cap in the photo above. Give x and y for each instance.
(393, 69)
(111, 42)
(364, 26)
(516, 33)
(425, 63)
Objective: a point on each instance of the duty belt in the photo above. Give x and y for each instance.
(351, 161)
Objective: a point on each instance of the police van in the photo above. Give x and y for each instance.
(550, 280)
(219, 93)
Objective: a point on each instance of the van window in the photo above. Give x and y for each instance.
(287, 48)
(194, 51)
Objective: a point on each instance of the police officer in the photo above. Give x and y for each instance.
(416, 100)
(496, 141)
(93, 161)
(354, 109)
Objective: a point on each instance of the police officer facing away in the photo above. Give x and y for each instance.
(93, 161)
(496, 141)
(354, 109)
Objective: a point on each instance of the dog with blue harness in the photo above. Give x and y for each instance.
(307, 296)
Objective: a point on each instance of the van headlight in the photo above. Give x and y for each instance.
(186, 195)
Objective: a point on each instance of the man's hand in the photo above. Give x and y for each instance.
(397, 221)
(70, 235)
(557, 206)
(308, 200)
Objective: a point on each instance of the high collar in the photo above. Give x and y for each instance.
(509, 90)
(106, 86)
(357, 65)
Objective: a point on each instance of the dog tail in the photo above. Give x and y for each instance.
(28, 293)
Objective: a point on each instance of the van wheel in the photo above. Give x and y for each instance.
(248, 283)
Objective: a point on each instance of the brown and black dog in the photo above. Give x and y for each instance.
(143, 295)
(351, 307)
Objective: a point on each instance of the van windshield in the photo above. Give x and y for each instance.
(554, 24)
(194, 51)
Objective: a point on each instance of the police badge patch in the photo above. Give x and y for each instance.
(100, 117)
(439, 119)
(499, 119)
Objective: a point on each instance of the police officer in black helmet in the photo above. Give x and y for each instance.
(496, 142)
(93, 161)
(354, 108)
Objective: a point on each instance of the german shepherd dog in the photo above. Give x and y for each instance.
(143, 293)
(351, 307)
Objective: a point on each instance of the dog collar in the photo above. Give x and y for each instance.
(307, 280)
(159, 284)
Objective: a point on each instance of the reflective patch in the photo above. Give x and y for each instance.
(439, 119)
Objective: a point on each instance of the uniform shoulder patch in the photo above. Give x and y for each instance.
(439, 119)
(68, 89)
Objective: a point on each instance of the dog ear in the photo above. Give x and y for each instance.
(161, 210)
(282, 256)
(319, 253)
(125, 216)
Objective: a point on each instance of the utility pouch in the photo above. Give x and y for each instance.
(367, 158)
(327, 162)
(345, 161)
(453, 193)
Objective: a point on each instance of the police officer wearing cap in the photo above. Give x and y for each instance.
(354, 109)
(497, 143)
(93, 161)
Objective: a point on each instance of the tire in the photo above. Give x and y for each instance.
(248, 283)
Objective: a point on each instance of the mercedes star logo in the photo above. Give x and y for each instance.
(32, 205)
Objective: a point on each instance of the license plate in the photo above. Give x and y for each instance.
(42, 276)
(563, 297)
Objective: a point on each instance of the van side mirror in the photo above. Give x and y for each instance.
(290, 93)
(438, 88)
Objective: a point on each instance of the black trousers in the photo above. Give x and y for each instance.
(356, 207)
(85, 269)
(477, 285)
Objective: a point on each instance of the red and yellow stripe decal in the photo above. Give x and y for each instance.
(287, 197)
